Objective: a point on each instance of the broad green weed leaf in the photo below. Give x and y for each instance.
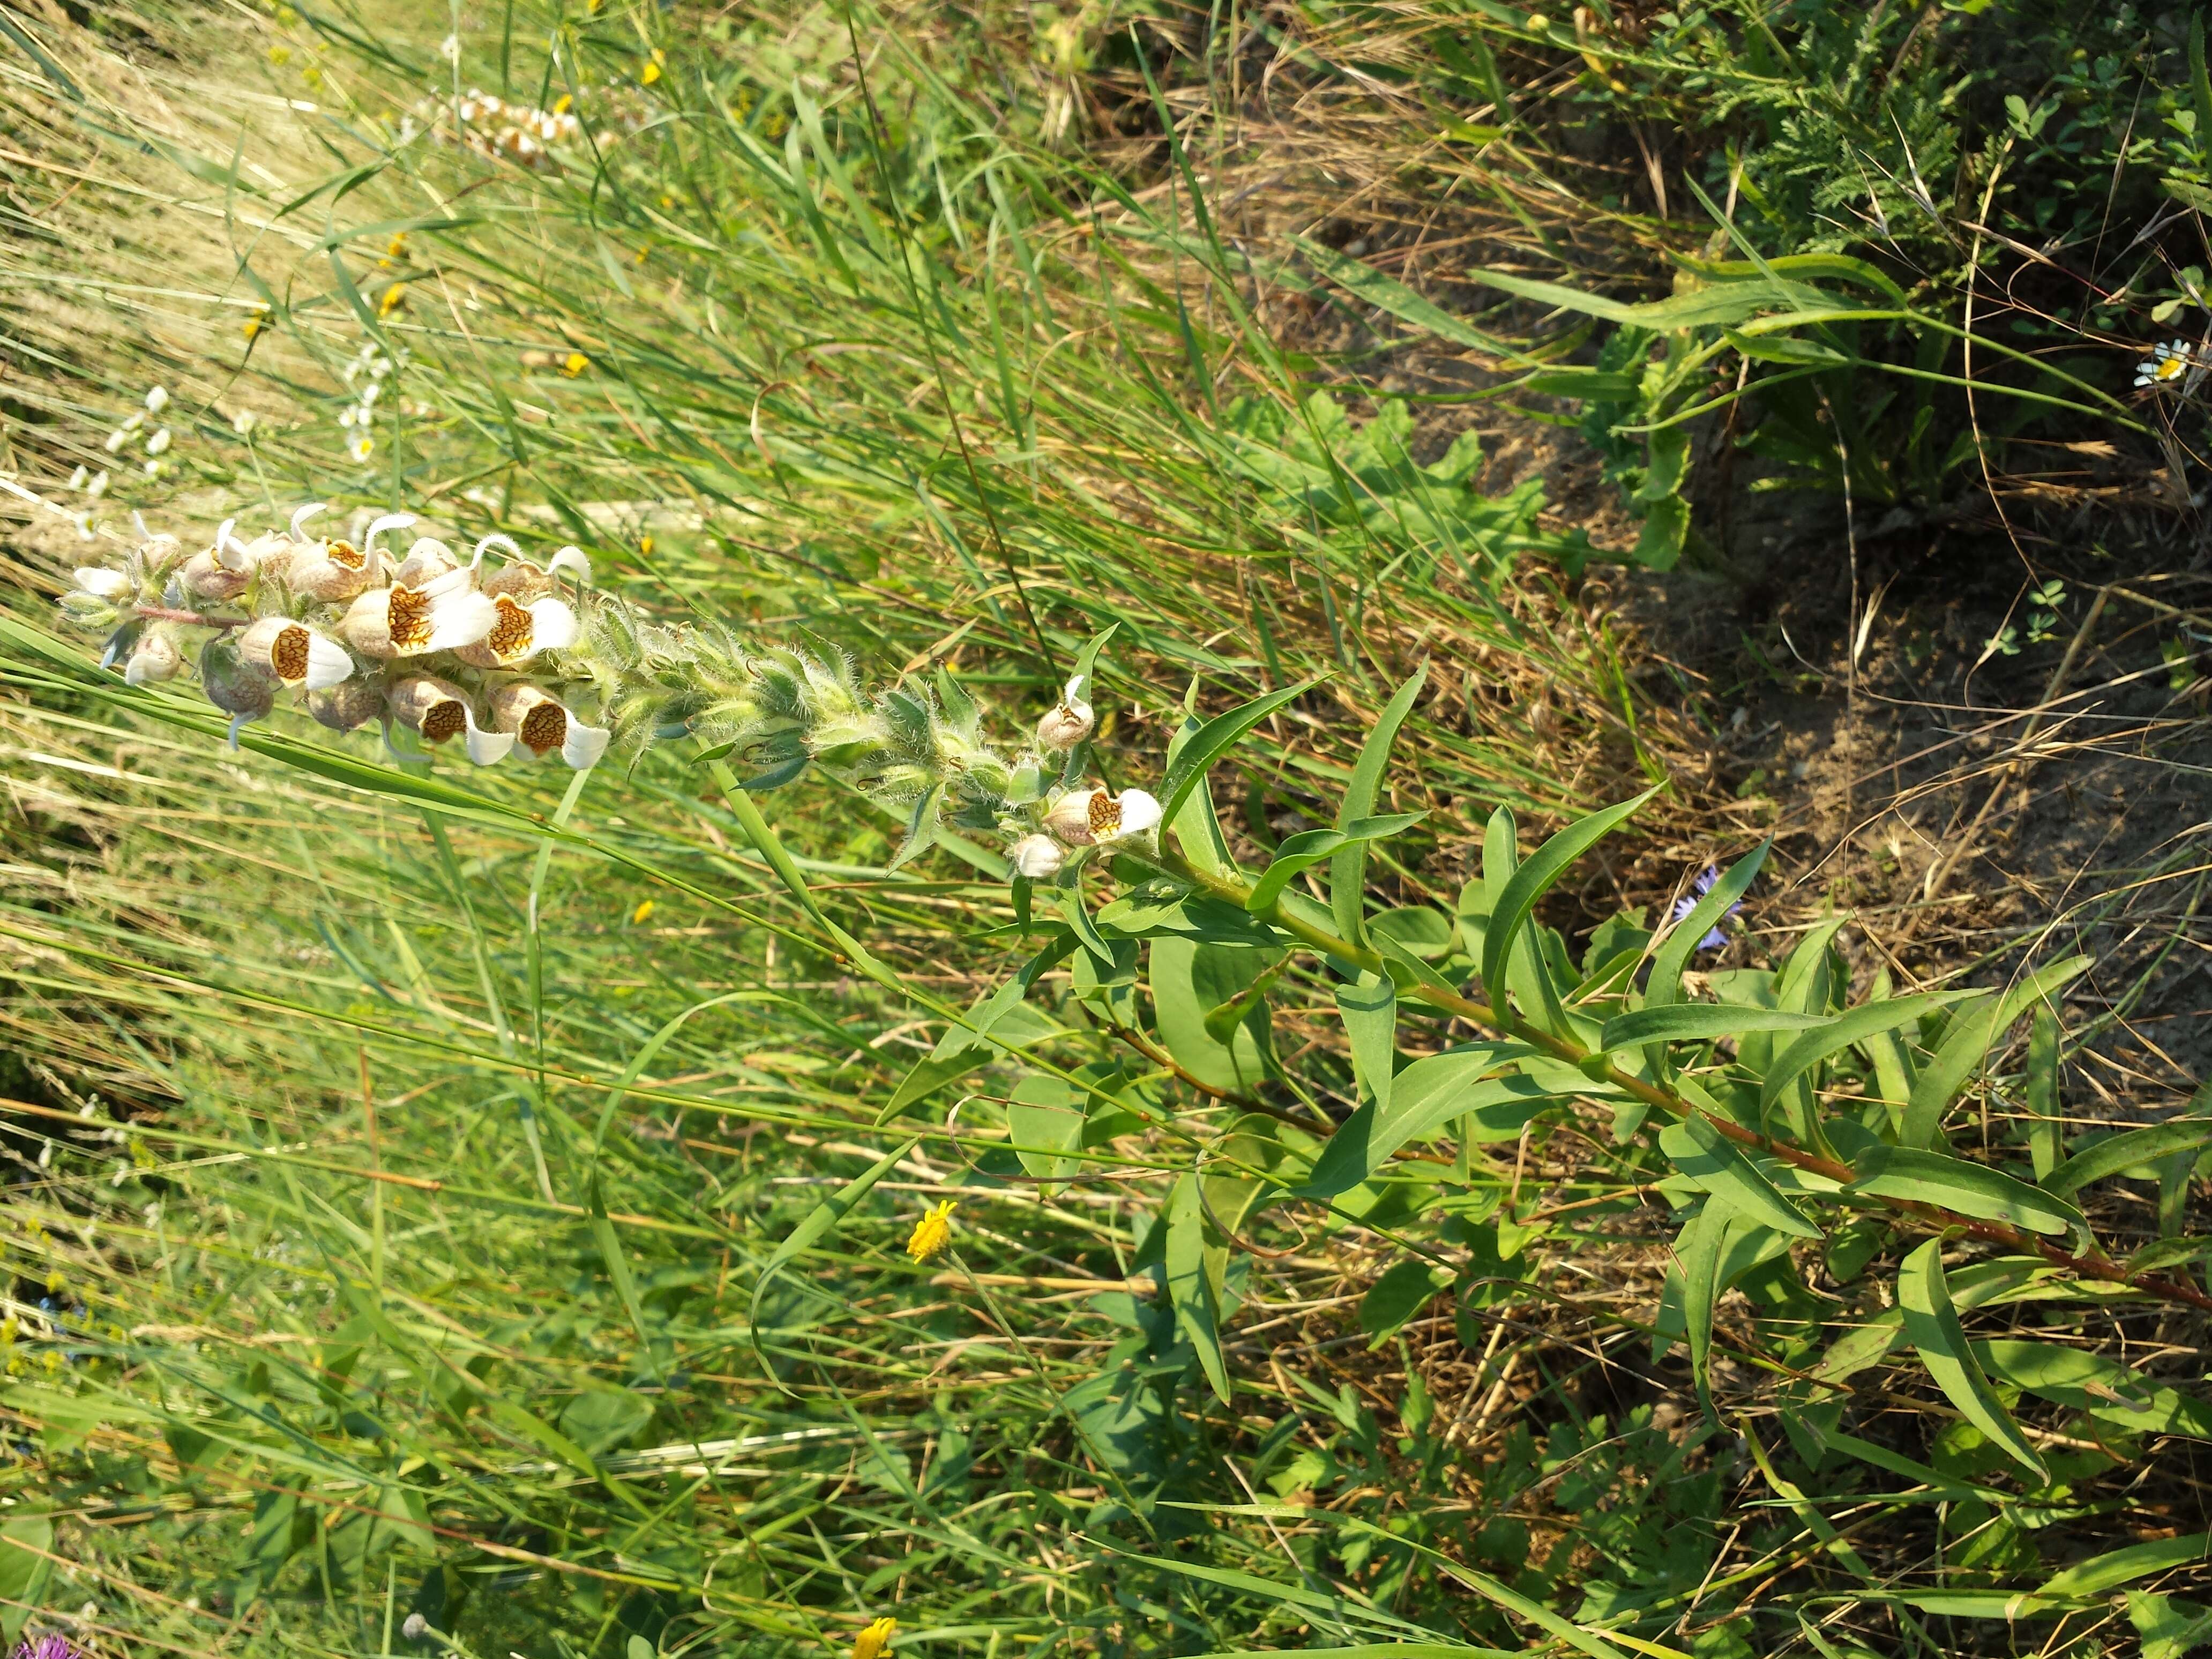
(1214, 739)
(1426, 1096)
(1393, 1300)
(1347, 868)
(1301, 852)
(2101, 1574)
(1964, 1050)
(1707, 1156)
(2089, 1382)
(26, 1542)
(2046, 1128)
(1371, 1024)
(1532, 880)
(1974, 1189)
(1189, 981)
(1931, 1326)
(1188, 1292)
(1833, 1036)
(2126, 1151)
(1698, 1022)
(2169, 1627)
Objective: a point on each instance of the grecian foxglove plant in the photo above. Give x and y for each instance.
(1771, 1111)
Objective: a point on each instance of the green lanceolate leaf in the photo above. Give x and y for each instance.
(1968, 1045)
(2101, 1574)
(1301, 852)
(1931, 1326)
(1214, 739)
(2046, 1127)
(1189, 1293)
(1835, 1035)
(2126, 1151)
(1974, 1189)
(1532, 880)
(1426, 1096)
(1707, 1156)
(1699, 1022)
(1347, 867)
(1371, 1024)
(1189, 981)
(1699, 1250)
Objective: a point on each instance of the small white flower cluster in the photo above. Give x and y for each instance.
(445, 648)
(143, 426)
(370, 368)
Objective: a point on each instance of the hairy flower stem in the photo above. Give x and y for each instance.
(1504, 1022)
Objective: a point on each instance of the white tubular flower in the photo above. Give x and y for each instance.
(159, 442)
(434, 709)
(544, 726)
(221, 571)
(403, 620)
(526, 580)
(157, 399)
(1068, 723)
(519, 632)
(353, 702)
(116, 439)
(99, 581)
(1085, 817)
(294, 654)
(154, 658)
(334, 570)
(1036, 858)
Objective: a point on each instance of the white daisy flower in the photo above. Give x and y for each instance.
(2167, 362)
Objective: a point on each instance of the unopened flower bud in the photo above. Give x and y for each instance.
(348, 704)
(234, 688)
(82, 610)
(154, 658)
(1036, 858)
(1068, 723)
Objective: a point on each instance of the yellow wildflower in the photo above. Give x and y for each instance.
(394, 297)
(643, 910)
(645, 545)
(574, 364)
(875, 1641)
(563, 104)
(933, 1232)
(53, 1280)
(652, 72)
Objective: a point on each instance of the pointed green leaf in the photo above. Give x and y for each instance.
(1708, 1157)
(1835, 1035)
(1532, 880)
(1369, 1009)
(2125, 1151)
(1347, 868)
(1931, 1326)
(1974, 1189)
(2046, 1127)
(1968, 1045)
(1698, 1022)
(1301, 852)
(1426, 1096)
(1189, 1293)
(1214, 739)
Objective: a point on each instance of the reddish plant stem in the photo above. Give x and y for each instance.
(2094, 1265)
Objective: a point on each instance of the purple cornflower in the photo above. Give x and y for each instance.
(46, 1647)
(1701, 884)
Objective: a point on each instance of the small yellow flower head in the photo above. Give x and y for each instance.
(875, 1641)
(652, 71)
(563, 104)
(931, 1235)
(643, 910)
(645, 545)
(54, 1280)
(397, 246)
(252, 327)
(574, 364)
(394, 297)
